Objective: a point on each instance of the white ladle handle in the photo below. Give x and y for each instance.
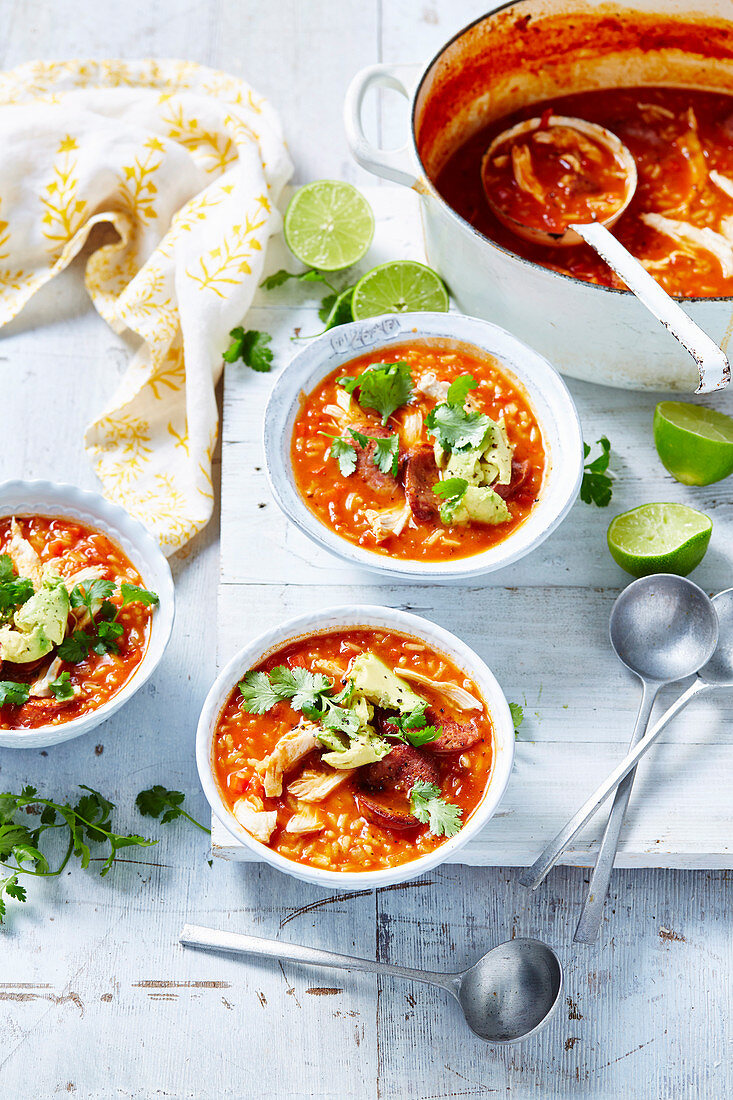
(712, 362)
(535, 874)
(595, 898)
(236, 943)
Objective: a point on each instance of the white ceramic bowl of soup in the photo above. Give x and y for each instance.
(524, 52)
(528, 371)
(45, 498)
(322, 622)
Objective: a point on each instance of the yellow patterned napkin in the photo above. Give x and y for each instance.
(186, 164)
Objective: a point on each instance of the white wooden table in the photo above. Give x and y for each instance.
(97, 1000)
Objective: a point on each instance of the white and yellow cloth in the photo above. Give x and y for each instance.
(186, 164)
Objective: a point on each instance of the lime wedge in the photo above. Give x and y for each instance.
(659, 538)
(694, 443)
(399, 286)
(328, 225)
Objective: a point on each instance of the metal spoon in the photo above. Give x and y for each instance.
(663, 628)
(508, 995)
(712, 362)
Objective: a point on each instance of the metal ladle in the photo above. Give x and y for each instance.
(712, 362)
(663, 628)
(508, 995)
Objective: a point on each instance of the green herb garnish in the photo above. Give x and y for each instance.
(344, 453)
(87, 822)
(133, 593)
(386, 454)
(517, 713)
(283, 276)
(452, 491)
(443, 818)
(309, 692)
(252, 347)
(597, 484)
(13, 694)
(104, 629)
(384, 387)
(165, 805)
(413, 727)
(14, 590)
(61, 687)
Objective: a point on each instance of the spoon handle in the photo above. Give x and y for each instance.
(535, 874)
(712, 362)
(236, 943)
(595, 898)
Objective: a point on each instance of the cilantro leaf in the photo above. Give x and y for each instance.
(455, 429)
(452, 490)
(517, 713)
(252, 347)
(443, 818)
(303, 689)
(335, 309)
(83, 594)
(108, 631)
(282, 276)
(412, 727)
(61, 687)
(133, 593)
(166, 805)
(13, 694)
(7, 569)
(258, 696)
(14, 590)
(459, 389)
(386, 454)
(597, 484)
(344, 453)
(75, 648)
(384, 387)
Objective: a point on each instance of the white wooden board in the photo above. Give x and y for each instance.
(541, 625)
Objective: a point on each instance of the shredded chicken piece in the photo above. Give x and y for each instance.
(391, 521)
(315, 786)
(721, 181)
(654, 109)
(25, 559)
(289, 750)
(252, 816)
(431, 386)
(524, 172)
(41, 687)
(412, 429)
(457, 694)
(88, 573)
(685, 233)
(304, 821)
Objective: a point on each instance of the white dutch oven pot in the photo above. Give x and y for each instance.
(527, 51)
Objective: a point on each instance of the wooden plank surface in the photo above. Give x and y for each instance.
(97, 1000)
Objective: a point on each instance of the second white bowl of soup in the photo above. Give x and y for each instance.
(426, 446)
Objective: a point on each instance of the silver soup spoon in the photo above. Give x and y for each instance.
(712, 362)
(508, 995)
(715, 675)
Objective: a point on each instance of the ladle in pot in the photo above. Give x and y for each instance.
(712, 362)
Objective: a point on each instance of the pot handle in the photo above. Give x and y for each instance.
(392, 164)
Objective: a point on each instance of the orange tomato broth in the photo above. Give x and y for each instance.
(348, 842)
(676, 136)
(341, 502)
(99, 678)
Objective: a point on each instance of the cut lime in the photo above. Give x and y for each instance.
(694, 443)
(328, 225)
(399, 286)
(659, 538)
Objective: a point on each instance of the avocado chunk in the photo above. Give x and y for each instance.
(480, 504)
(380, 686)
(39, 625)
(362, 750)
(496, 460)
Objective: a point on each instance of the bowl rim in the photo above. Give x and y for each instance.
(325, 621)
(525, 366)
(50, 498)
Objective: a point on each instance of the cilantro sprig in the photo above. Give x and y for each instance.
(517, 713)
(451, 424)
(104, 631)
(452, 490)
(384, 387)
(443, 818)
(13, 694)
(165, 806)
(14, 590)
(385, 455)
(61, 688)
(88, 822)
(413, 727)
(252, 347)
(308, 692)
(597, 484)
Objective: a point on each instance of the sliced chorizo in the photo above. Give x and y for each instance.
(388, 817)
(366, 468)
(454, 736)
(421, 474)
(518, 483)
(400, 769)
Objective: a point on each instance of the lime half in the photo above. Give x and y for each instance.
(694, 443)
(400, 286)
(659, 538)
(328, 225)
